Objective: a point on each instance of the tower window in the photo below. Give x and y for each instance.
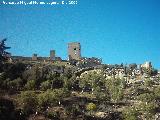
(74, 48)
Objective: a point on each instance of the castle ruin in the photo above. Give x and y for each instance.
(74, 51)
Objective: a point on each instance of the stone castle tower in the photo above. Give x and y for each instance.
(74, 51)
(34, 57)
(52, 54)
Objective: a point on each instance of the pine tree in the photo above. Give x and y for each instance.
(3, 48)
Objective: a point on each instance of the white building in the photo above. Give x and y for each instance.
(146, 65)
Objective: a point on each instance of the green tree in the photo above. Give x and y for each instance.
(148, 82)
(67, 82)
(2, 79)
(92, 80)
(146, 97)
(115, 87)
(157, 92)
(28, 101)
(68, 73)
(46, 85)
(13, 70)
(31, 85)
(130, 113)
(15, 84)
(56, 82)
(53, 115)
(73, 110)
(147, 109)
(3, 48)
(102, 95)
(71, 83)
(116, 94)
(52, 97)
(35, 73)
(47, 98)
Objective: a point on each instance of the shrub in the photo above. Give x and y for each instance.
(53, 115)
(102, 96)
(130, 114)
(28, 101)
(116, 94)
(45, 85)
(91, 80)
(30, 85)
(15, 84)
(147, 109)
(115, 88)
(157, 92)
(47, 98)
(91, 107)
(51, 97)
(73, 110)
(146, 97)
(148, 82)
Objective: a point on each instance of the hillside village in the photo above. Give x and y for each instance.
(80, 88)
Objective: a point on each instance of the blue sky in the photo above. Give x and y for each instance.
(118, 31)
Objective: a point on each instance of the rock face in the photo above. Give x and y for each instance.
(101, 114)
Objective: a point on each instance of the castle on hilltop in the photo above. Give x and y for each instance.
(74, 57)
(81, 64)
